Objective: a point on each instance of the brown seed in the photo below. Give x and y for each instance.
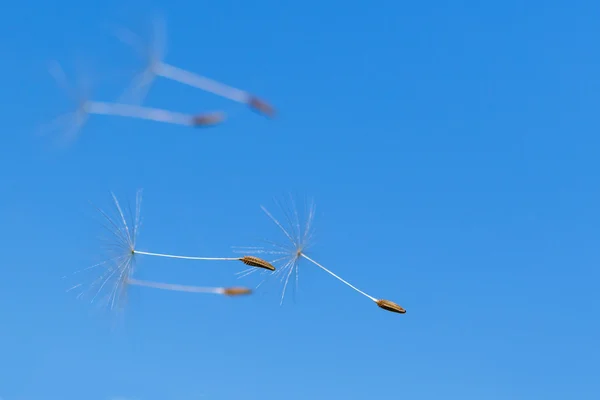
(257, 262)
(390, 306)
(261, 106)
(236, 291)
(208, 119)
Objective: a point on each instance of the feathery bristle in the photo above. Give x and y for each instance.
(236, 291)
(257, 262)
(390, 306)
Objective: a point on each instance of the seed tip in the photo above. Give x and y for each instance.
(261, 106)
(257, 262)
(390, 306)
(208, 119)
(236, 291)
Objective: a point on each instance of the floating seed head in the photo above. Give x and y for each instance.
(111, 283)
(261, 106)
(257, 262)
(236, 291)
(69, 124)
(390, 306)
(298, 230)
(208, 119)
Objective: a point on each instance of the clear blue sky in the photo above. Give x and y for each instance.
(451, 148)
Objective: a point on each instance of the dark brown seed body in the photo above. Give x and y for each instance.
(390, 306)
(236, 291)
(261, 106)
(208, 119)
(257, 262)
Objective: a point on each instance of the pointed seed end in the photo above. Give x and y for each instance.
(208, 119)
(390, 306)
(236, 291)
(261, 106)
(257, 262)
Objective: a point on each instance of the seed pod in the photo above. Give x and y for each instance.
(390, 306)
(261, 106)
(236, 291)
(208, 119)
(257, 262)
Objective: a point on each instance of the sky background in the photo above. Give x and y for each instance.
(452, 152)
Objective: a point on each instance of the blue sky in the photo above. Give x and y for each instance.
(451, 149)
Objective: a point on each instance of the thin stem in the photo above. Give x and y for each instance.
(132, 111)
(174, 287)
(337, 277)
(187, 257)
(201, 82)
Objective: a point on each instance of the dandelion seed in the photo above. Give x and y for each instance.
(248, 260)
(154, 54)
(75, 120)
(235, 291)
(118, 269)
(152, 114)
(299, 236)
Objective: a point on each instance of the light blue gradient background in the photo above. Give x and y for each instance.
(451, 148)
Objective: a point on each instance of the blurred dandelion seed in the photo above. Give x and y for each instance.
(75, 120)
(120, 265)
(234, 291)
(154, 54)
(299, 236)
